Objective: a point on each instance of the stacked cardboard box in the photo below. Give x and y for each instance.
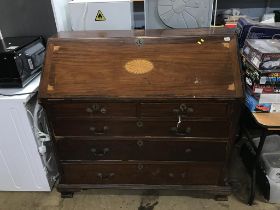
(249, 29)
(262, 74)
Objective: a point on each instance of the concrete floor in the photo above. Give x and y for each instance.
(138, 200)
(108, 200)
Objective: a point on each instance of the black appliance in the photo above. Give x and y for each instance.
(21, 60)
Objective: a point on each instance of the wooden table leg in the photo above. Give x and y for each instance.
(255, 165)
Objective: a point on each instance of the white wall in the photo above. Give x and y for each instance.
(60, 10)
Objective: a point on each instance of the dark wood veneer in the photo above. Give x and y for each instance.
(142, 173)
(71, 149)
(139, 127)
(170, 128)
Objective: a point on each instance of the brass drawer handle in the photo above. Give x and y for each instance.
(105, 176)
(140, 167)
(184, 109)
(103, 110)
(181, 131)
(100, 153)
(102, 132)
(95, 108)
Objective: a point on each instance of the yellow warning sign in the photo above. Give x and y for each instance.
(100, 16)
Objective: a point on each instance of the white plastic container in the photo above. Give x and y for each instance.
(101, 15)
(271, 162)
(21, 165)
(274, 195)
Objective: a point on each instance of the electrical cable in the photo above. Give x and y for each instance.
(41, 136)
(29, 112)
(17, 94)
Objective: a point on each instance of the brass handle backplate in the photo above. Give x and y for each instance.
(100, 153)
(104, 176)
(183, 109)
(99, 132)
(96, 108)
(181, 131)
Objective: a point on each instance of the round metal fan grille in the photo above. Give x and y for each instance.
(185, 13)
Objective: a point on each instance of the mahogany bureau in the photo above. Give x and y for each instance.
(155, 109)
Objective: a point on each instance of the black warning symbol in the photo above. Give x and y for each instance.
(100, 16)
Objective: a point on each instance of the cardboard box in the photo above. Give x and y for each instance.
(263, 54)
(249, 29)
(254, 105)
(261, 82)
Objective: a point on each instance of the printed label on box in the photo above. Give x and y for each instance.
(256, 62)
(31, 66)
(275, 108)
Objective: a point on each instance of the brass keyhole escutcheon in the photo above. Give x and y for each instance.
(140, 143)
(139, 124)
(139, 42)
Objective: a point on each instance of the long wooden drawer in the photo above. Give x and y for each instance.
(196, 173)
(141, 149)
(93, 109)
(187, 109)
(169, 110)
(134, 127)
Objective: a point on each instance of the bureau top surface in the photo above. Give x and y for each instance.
(200, 63)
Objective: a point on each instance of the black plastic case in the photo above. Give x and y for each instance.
(21, 60)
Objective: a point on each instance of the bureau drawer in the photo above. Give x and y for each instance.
(132, 127)
(142, 149)
(201, 110)
(197, 173)
(93, 109)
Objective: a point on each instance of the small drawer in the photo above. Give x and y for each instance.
(199, 110)
(141, 149)
(154, 173)
(133, 127)
(93, 109)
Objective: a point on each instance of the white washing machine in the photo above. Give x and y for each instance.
(22, 166)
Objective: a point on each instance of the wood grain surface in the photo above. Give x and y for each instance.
(93, 65)
(155, 109)
(271, 120)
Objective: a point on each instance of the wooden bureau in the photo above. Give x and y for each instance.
(154, 109)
